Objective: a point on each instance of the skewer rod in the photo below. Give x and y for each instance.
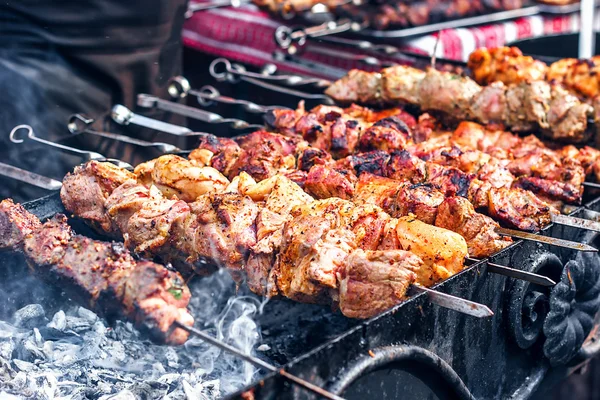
(518, 274)
(459, 304)
(257, 362)
(575, 222)
(547, 240)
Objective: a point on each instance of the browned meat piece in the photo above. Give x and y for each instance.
(425, 128)
(448, 93)
(324, 182)
(399, 84)
(519, 208)
(177, 177)
(369, 115)
(103, 275)
(225, 153)
(579, 76)
(403, 166)
(226, 228)
(16, 223)
(85, 190)
(458, 215)
(284, 120)
(449, 180)
(264, 154)
(490, 105)
(280, 196)
(504, 64)
(374, 281)
(357, 87)
(310, 156)
(527, 106)
(399, 198)
(554, 190)
(567, 117)
(125, 201)
(374, 162)
(387, 134)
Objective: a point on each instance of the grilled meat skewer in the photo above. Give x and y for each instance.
(337, 238)
(524, 106)
(104, 275)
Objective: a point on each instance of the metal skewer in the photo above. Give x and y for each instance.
(517, 273)
(86, 155)
(575, 222)
(76, 120)
(546, 239)
(123, 116)
(209, 5)
(29, 177)
(179, 88)
(148, 101)
(459, 304)
(257, 362)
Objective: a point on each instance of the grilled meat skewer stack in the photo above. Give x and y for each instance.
(104, 275)
(325, 251)
(526, 106)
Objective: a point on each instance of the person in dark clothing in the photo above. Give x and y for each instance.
(60, 57)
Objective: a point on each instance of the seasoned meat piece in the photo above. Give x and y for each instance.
(284, 120)
(280, 196)
(265, 159)
(324, 182)
(458, 215)
(226, 228)
(144, 171)
(15, 224)
(478, 194)
(401, 84)
(125, 201)
(296, 176)
(404, 166)
(579, 76)
(528, 105)
(368, 222)
(369, 115)
(177, 177)
(448, 93)
(85, 190)
(387, 134)
(380, 191)
(282, 145)
(490, 105)
(314, 249)
(425, 128)
(441, 250)
(107, 278)
(504, 64)
(449, 180)
(567, 117)
(225, 153)
(357, 87)
(555, 190)
(374, 162)
(374, 281)
(310, 156)
(344, 137)
(518, 208)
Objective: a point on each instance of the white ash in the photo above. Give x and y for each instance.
(74, 354)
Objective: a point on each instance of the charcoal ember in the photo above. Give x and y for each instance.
(59, 321)
(122, 395)
(30, 316)
(24, 366)
(6, 349)
(27, 350)
(77, 324)
(171, 357)
(7, 331)
(7, 396)
(87, 315)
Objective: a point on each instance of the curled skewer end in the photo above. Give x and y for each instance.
(121, 114)
(79, 123)
(13, 134)
(217, 72)
(179, 87)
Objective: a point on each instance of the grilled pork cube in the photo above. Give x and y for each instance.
(519, 208)
(448, 93)
(399, 84)
(374, 162)
(404, 166)
(357, 87)
(225, 153)
(371, 116)
(554, 190)
(504, 64)
(280, 195)
(387, 134)
(458, 215)
(374, 281)
(323, 182)
(490, 105)
(311, 156)
(103, 275)
(450, 181)
(567, 116)
(15, 224)
(85, 191)
(176, 176)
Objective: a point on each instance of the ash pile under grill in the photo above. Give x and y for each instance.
(63, 351)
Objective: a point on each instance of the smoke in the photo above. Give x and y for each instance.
(62, 351)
